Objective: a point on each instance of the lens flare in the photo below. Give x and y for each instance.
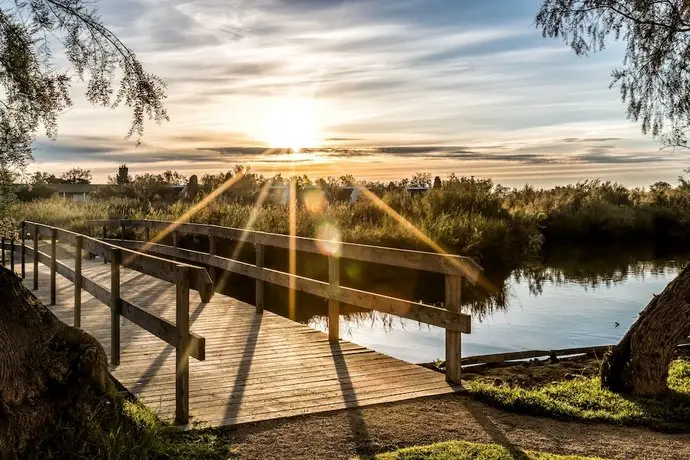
(314, 201)
(329, 240)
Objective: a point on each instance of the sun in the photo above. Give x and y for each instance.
(291, 123)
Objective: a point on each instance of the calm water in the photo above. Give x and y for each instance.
(574, 297)
(544, 308)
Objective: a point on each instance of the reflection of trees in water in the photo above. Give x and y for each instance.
(598, 267)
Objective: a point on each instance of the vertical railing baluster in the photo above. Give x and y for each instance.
(212, 252)
(23, 230)
(333, 304)
(453, 343)
(182, 349)
(115, 306)
(122, 230)
(174, 238)
(12, 254)
(53, 264)
(147, 232)
(259, 249)
(77, 281)
(37, 236)
(2, 243)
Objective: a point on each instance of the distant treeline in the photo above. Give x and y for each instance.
(501, 227)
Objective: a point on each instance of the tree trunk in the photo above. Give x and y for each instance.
(639, 364)
(54, 381)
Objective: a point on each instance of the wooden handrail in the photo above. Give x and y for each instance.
(419, 260)
(453, 267)
(182, 275)
(435, 316)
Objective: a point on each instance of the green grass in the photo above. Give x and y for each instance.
(584, 399)
(461, 450)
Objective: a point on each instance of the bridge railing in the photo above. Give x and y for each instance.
(184, 276)
(454, 268)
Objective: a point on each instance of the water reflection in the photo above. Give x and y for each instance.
(574, 297)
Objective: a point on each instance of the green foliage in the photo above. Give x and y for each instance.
(584, 399)
(461, 450)
(36, 92)
(502, 228)
(654, 77)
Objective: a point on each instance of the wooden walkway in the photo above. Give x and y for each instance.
(257, 367)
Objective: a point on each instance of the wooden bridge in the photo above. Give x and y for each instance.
(248, 364)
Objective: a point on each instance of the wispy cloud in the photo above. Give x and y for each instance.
(473, 80)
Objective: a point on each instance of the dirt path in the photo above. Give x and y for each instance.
(348, 433)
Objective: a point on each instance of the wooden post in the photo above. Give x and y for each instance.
(115, 307)
(53, 263)
(174, 238)
(182, 350)
(259, 249)
(147, 232)
(2, 243)
(36, 237)
(212, 252)
(333, 304)
(453, 369)
(105, 231)
(77, 282)
(122, 230)
(23, 250)
(12, 255)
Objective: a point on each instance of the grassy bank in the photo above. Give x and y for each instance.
(502, 228)
(582, 398)
(461, 450)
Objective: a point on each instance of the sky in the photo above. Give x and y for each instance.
(378, 89)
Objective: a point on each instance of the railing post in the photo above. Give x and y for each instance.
(12, 255)
(182, 350)
(452, 303)
(23, 230)
(115, 307)
(212, 252)
(147, 232)
(53, 263)
(105, 231)
(77, 281)
(333, 304)
(36, 238)
(2, 243)
(174, 238)
(122, 230)
(259, 249)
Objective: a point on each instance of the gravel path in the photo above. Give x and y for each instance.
(348, 433)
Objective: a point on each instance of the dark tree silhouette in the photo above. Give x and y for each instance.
(35, 91)
(123, 177)
(654, 81)
(76, 176)
(654, 78)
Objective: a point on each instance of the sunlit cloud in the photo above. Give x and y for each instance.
(412, 73)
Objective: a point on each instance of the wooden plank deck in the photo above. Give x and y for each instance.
(257, 367)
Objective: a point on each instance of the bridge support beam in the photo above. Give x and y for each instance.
(453, 355)
(333, 305)
(182, 349)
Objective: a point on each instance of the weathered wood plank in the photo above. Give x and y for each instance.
(420, 260)
(258, 367)
(407, 309)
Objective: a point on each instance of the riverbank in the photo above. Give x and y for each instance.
(501, 228)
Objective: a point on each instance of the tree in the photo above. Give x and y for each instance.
(122, 177)
(421, 179)
(654, 79)
(42, 178)
(35, 91)
(438, 183)
(76, 176)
